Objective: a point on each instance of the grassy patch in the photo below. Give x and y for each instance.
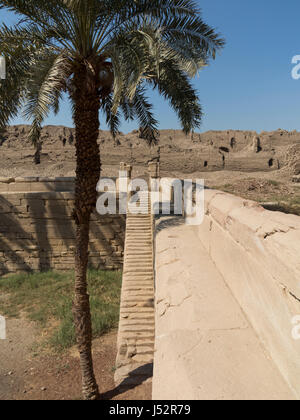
(276, 195)
(283, 208)
(46, 298)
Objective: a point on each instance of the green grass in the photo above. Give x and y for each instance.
(46, 298)
(274, 183)
(283, 208)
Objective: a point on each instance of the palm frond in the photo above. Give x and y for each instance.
(44, 90)
(175, 86)
(143, 112)
(112, 118)
(162, 42)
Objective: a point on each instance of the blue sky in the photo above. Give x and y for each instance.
(249, 86)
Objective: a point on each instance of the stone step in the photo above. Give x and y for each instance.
(148, 288)
(148, 262)
(138, 289)
(141, 349)
(136, 304)
(126, 315)
(131, 223)
(138, 249)
(145, 335)
(149, 259)
(146, 259)
(141, 212)
(139, 234)
(142, 274)
(140, 282)
(138, 241)
(135, 310)
(139, 219)
(139, 229)
(142, 233)
(141, 246)
(138, 277)
(137, 323)
(136, 223)
(134, 293)
(143, 357)
(137, 317)
(139, 237)
(141, 299)
(140, 343)
(139, 267)
(133, 373)
(134, 248)
(138, 311)
(142, 279)
(136, 205)
(139, 252)
(140, 257)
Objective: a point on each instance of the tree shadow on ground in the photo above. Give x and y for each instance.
(166, 222)
(136, 377)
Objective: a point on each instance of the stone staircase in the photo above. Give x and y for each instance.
(134, 363)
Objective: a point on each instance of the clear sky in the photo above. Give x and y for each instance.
(249, 86)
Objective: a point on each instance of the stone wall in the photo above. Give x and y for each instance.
(37, 230)
(202, 344)
(36, 184)
(257, 253)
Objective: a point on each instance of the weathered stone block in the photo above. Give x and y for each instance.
(37, 231)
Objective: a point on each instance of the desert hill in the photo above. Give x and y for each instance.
(242, 151)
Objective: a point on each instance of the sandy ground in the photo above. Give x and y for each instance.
(26, 374)
(214, 154)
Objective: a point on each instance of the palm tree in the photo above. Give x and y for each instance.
(103, 54)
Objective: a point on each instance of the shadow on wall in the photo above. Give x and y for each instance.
(15, 242)
(54, 229)
(37, 233)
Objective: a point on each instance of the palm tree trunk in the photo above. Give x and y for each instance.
(88, 167)
(37, 155)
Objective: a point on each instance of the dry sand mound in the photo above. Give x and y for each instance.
(243, 151)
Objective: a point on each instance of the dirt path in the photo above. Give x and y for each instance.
(26, 375)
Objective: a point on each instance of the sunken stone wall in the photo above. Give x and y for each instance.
(37, 231)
